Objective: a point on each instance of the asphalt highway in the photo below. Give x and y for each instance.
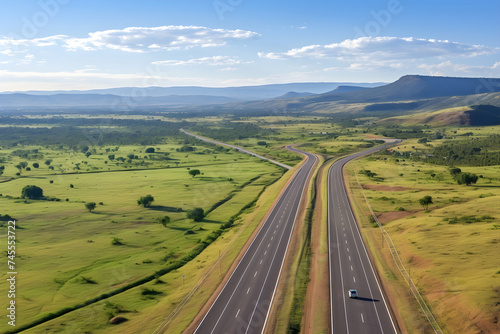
(241, 149)
(243, 305)
(350, 266)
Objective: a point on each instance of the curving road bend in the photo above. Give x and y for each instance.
(242, 306)
(350, 266)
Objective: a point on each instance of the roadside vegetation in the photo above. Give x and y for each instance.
(444, 221)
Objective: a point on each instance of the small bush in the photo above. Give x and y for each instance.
(150, 292)
(117, 242)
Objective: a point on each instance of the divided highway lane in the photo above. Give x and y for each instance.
(243, 304)
(350, 266)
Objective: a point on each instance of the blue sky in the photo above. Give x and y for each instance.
(76, 44)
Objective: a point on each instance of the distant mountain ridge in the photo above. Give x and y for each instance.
(346, 89)
(405, 95)
(415, 87)
(242, 92)
(295, 94)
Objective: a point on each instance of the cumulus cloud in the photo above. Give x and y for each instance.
(450, 68)
(384, 48)
(7, 43)
(134, 39)
(211, 61)
(143, 39)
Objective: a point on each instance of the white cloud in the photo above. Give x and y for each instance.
(384, 48)
(7, 43)
(453, 69)
(143, 39)
(77, 74)
(18, 51)
(211, 61)
(133, 39)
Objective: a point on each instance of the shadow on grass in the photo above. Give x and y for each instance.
(179, 228)
(164, 208)
(211, 221)
(485, 186)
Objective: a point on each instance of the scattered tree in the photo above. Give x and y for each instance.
(2, 168)
(425, 201)
(261, 143)
(36, 165)
(48, 162)
(194, 172)
(116, 241)
(111, 157)
(367, 172)
(164, 220)
(32, 192)
(455, 171)
(150, 150)
(466, 178)
(90, 206)
(197, 214)
(146, 200)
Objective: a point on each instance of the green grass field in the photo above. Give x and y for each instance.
(65, 254)
(146, 313)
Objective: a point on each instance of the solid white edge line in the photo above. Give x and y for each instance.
(329, 245)
(368, 283)
(369, 261)
(249, 246)
(271, 267)
(330, 170)
(288, 243)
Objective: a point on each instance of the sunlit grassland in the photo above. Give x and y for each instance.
(453, 247)
(65, 254)
(65, 160)
(146, 313)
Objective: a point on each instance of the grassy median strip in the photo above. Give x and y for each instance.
(303, 268)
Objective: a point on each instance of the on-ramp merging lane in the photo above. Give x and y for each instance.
(243, 304)
(350, 266)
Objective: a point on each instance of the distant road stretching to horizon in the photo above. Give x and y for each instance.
(349, 264)
(244, 303)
